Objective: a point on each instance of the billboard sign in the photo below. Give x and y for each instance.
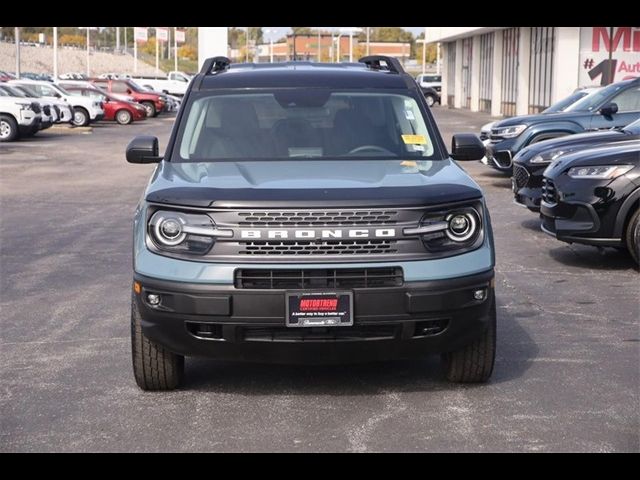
(140, 34)
(597, 43)
(162, 34)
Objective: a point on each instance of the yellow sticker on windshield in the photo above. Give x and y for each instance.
(414, 139)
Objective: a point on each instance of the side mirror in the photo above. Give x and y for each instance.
(467, 146)
(609, 109)
(129, 91)
(143, 149)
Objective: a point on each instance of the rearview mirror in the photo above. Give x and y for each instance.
(609, 109)
(467, 146)
(143, 149)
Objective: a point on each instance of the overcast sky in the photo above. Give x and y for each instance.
(281, 31)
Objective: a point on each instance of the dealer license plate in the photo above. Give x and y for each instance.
(319, 309)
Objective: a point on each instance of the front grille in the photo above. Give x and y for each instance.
(57, 110)
(46, 110)
(549, 192)
(321, 334)
(268, 279)
(520, 175)
(324, 247)
(317, 218)
(503, 158)
(35, 107)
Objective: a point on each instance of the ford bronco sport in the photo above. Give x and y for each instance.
(310, 209)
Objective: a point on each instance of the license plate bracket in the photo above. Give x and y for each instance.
(319, 309)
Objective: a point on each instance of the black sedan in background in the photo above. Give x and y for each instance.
(592, 197)
(530, 162)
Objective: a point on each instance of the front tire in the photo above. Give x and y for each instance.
(123, 117)
(154, 367)
(632, 237)
(474, 362)
(8, 129)
(80, 117)
(430, 99)
(151, 109)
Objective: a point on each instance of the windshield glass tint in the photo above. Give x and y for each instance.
(61, 90)
(315, 123)
(565, 102)
(633, 127)
(590, 102)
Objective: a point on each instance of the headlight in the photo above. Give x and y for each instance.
(459, 228)
(547, 157)
(508, 132)
(599, 172)
(25, 106)
(180, 232)
(462, 226)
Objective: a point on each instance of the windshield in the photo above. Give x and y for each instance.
(14, 92)
(61, 90)
(566, 102)
(297, 123)
(633, 128)
(29, 91)
(135, 86)
(592, 101)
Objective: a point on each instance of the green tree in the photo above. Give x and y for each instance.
(303, 30)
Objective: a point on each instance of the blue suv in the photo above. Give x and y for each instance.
(613, 106)
(310, 209)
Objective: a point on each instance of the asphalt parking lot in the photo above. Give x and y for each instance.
(568, 359)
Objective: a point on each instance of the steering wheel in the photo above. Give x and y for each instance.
(375, 148)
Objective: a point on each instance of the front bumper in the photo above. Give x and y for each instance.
(30, 127)
(526, 184)
(417, 317)
(580, 224)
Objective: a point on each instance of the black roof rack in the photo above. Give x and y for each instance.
(373, 62)
(214, 65)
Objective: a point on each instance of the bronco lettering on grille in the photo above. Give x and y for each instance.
(312, 234)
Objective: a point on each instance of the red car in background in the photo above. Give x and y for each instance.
(114, 109)
(153, 102)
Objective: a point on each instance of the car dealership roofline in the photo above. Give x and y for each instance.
(447, 34)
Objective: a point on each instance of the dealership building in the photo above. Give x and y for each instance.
(521, 70)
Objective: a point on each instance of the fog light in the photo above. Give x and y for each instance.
(479, 294)
(153, 299)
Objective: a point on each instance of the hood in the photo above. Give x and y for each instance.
(533, 119)
(325, 182)
(570, 141)
(622, 153)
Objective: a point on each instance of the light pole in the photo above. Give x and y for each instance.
(55, 53)
(175, 48)
(351, 31)
(269, 31)
(424, 54)
(368, 35)
(247, 47)
(88, 46)
(88, 70)
(17, 38)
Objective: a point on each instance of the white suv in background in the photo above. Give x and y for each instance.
(49, 113)
(426, 80)
(85, 110)
(17, 116)
(62, 108)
